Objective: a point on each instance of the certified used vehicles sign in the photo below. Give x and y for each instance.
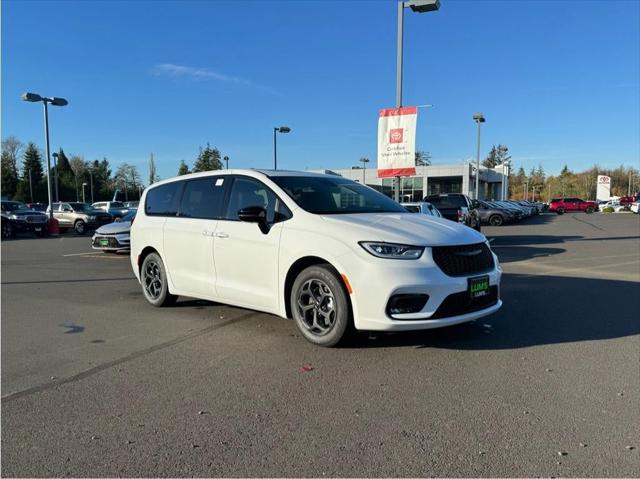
(397, 141)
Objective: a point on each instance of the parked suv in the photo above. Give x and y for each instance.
(321, 249)
(562, 205)
(79, 216)
(456, 207)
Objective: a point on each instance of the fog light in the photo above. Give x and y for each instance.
(406, 303)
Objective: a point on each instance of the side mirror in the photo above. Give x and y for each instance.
(255, 214)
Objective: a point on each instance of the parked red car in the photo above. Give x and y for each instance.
(562, 205)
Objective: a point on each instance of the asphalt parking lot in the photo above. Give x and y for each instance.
(95, 382)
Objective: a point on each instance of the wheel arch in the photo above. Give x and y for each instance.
(301, 264)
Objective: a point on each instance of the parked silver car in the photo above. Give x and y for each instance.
(114, 237)
(422, 207)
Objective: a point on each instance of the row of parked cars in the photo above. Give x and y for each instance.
(109, 219)
(474, 213)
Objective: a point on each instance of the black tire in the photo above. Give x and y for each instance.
(320, 307)
(589, 210)
(153, 279)
(7, 230)
(560, 211)
(496, 220)
(80, 227)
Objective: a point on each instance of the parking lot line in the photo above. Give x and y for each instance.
(547, 269)
(80, 254)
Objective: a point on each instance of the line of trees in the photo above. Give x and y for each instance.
(569, 183)
(23, 174)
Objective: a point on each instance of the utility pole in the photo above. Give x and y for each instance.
(30, 186)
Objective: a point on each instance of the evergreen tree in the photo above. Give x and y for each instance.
(422, 158)
(11, 147)
(33, 185)
(66, 178)
(183, 169)
(153, 175)
(208, 159)
(498, 155)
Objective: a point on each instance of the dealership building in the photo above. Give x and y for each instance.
(435, 179)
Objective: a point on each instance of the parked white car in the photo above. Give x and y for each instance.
(635, 206)
(324, 250)
(422, 207)
(615, 204)
(114, 237)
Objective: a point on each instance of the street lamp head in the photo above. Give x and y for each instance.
(478, 118)
(364, 160)
(423, 6)
(284, 129)
(32, 97)
(58, 101)
(54, 154)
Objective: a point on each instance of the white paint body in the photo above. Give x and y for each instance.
(235, 263)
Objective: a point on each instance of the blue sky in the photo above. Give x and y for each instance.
(558, 81)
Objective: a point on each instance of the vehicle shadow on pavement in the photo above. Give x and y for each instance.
(537, 310)
(523, 253)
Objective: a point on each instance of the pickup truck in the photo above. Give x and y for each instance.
(117, 209)
(563, 205)
(456, 207)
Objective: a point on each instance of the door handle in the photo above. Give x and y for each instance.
(221, 235)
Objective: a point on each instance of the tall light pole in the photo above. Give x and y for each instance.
(364, 162)
(30, 186)
(91, 182)
(55, 167)
(478, 118)
(505, 186)
(83, 185)
(34, 97)
(282, 129)
(226, 160)
(419, 6)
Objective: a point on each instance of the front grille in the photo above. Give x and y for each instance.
(463, 260)
(461, 303)
(103, 219)
(36, 219)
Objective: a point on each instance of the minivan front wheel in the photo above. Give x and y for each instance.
(153, 278)
(320, 306)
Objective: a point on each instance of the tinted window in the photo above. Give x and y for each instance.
(117, 204)
(203, 198)
(413, 208)
(250, 192)
(447, 201)
(333, 195)
(161, 200)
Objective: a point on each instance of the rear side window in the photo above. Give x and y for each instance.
(413, 208)
(447, 201)
(161, 200)
(203, 198)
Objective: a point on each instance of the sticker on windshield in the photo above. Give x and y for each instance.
(219, 181)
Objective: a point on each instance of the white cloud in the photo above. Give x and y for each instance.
(170, 69)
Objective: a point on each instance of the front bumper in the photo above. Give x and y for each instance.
(375, 282)
(115, 242)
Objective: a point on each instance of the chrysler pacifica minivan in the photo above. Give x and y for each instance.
(328, 252)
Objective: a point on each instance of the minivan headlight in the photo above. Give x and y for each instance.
(392, 250)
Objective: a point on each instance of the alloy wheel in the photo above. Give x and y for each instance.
(317, 307)
(152, 279)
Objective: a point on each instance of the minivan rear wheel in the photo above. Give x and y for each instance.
(319, 306)
(153, 278)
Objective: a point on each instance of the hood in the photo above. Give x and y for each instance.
(114, 228)
(406, 228)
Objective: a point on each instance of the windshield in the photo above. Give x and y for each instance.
(81, 207)
(447, 201)
(117, 204)
(334, 195)
(13, 206)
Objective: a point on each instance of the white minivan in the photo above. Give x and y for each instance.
(326, 251)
